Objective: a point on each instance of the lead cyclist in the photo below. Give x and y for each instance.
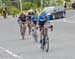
(43, 22)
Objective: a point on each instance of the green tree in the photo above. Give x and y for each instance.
(59, 2)
(12, 9)
(29, 5)
(26, 5)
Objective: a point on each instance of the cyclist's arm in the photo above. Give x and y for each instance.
(19, 18)
(32, 18)
(47, 18)
(27, 17)
(38, 19)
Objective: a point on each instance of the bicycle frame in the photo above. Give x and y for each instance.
(45, 39)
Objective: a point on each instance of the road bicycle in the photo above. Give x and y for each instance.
(23, 30)
(45, 38)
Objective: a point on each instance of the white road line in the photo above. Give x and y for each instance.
(68, 21)
(65, 20)
(11, 53)
(70, 17)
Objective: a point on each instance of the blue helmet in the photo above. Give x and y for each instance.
(43, 13)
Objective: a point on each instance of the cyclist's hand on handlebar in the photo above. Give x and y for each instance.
(51, 26)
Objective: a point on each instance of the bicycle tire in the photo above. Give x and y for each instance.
(46, 42)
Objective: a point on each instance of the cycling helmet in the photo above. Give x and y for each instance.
(43, 13)
(30, 12)
(22, 13)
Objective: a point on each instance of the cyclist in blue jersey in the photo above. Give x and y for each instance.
(43, 21)
(30, 13)
(34, 20)
(34, 28)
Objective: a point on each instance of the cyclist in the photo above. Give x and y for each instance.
(22, 21)
(34, 18)
(34, 29)
(30, 13)
(4, 9)
(43, 18)
(14, 14)
(73, 5)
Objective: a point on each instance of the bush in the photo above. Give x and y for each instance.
(34, 6)
(12, 9)
(0, 10)
(69, 5)
(59, 2)
(26, 5)
(29, 5)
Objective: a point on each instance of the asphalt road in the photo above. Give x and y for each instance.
(62, 40)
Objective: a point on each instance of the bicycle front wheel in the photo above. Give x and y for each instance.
(46, 46)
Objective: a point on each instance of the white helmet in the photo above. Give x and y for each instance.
(31, 10)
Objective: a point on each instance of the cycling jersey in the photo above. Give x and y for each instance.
(22, 18)
(29, 15)
(41, 19)
(34, 19)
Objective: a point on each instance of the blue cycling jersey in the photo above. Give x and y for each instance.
(33, 18)
(40, 18)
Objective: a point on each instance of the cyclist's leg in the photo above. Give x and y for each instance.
(20, 25)
(46, 26)
(41, 24)
(29, 22)
(33, 26)
(24, 26)
(34, 31)
(29, 26)
(4, 14)
(23, 29)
